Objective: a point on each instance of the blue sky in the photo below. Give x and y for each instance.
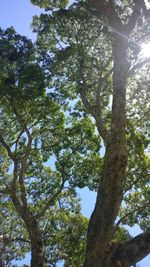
(18, 13)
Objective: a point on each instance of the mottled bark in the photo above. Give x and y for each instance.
(37, 246)
(130, 252)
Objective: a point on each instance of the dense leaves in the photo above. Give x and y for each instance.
(79, 47)
(18, 65)
(80, 60)
(56, 107)
(50, 4)
(46, 148)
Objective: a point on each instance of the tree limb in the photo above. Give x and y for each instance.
(96, 114)
(52, 199)
(122, 219)
(139, 65)
(138, 6)
(7, 239)
(94, 110)
(6, 146)
(103, 8)
(16, 201)
(132, 251)
(49, 202)
(25, 157)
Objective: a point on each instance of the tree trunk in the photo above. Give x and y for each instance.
(109, 196)
(37, 246)
(2, 264)
(37, 253)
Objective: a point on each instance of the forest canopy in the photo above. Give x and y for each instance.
(82, 88)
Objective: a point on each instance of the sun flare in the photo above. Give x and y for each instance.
(145, 50)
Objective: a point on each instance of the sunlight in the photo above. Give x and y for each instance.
(147, 3)
(145, 50)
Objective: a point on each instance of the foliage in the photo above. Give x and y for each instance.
(30, 115)
(55, 98)
(50, 4)
(80, 55)
(80, 60)
(67, 238)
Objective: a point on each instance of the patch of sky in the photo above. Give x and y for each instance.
(51, 162)
(19, 14)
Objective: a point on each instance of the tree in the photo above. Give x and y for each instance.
(39, 201)
(93, 57)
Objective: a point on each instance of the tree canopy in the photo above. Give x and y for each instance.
(82, 86)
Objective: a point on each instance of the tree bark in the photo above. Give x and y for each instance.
(37, 246)
(2, 264)
(130, 252)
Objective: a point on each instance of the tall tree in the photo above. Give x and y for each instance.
(92, 55)
(38, 199)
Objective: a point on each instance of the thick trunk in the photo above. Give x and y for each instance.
(109, 196)
(37, 246)
(2, 264)
(37, 253)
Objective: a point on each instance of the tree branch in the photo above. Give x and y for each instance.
(139, 65)
(103, 8)
(6, 146)
(50, 202)
(25, 157)
(122, 219)
(16, 201)
(138, 6)
(132, 251)
(96, 114)
(21, 181)
(94, 110)
(6, 239)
